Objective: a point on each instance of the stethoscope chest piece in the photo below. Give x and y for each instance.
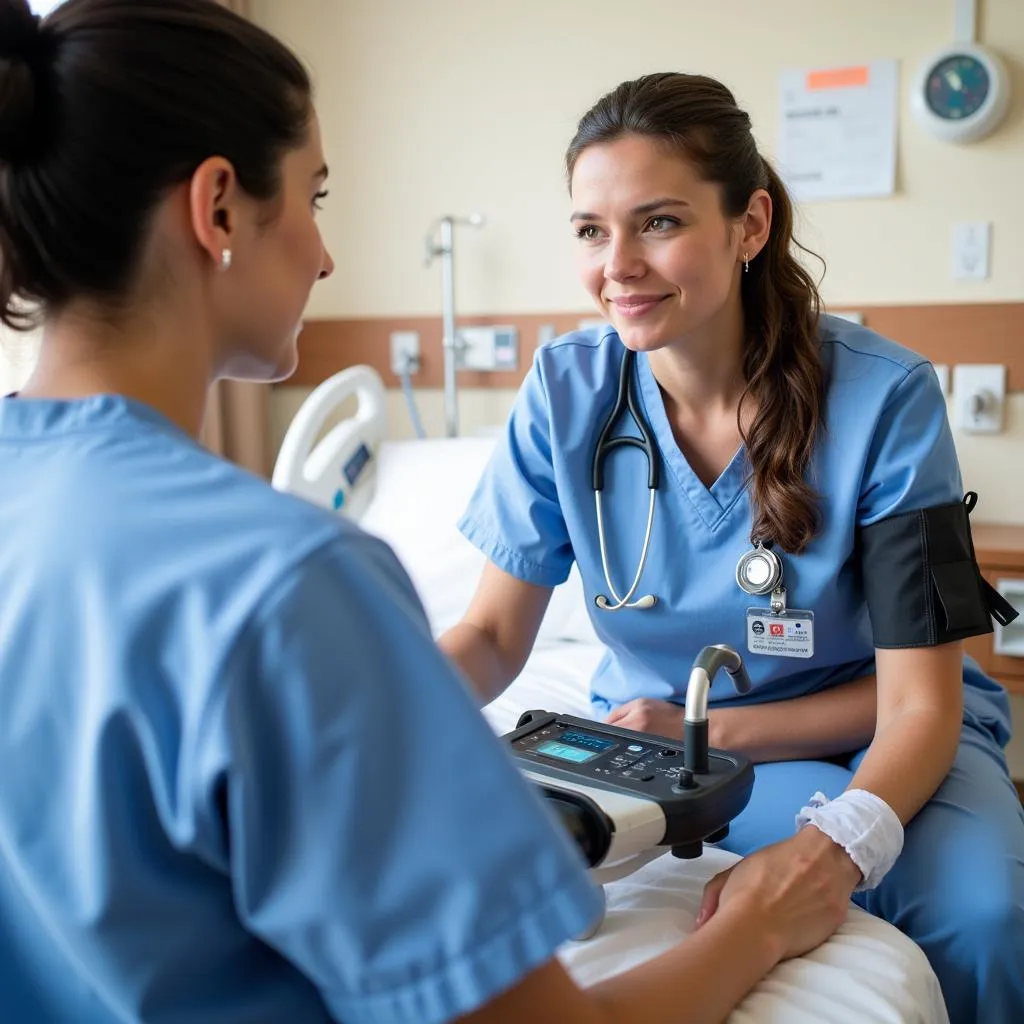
(759, 571)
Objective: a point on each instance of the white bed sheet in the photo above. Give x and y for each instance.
(867, 973)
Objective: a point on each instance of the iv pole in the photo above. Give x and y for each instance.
(446, 250)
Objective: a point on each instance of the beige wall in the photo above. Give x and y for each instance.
(17, 356)
(439, 106)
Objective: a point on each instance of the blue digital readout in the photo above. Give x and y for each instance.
(578, 747)
(564, 752)
(585, 739)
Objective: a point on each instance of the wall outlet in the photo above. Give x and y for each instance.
(405, 352)
(971, 243)
(979, 396)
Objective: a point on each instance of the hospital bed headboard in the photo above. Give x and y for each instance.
(338, 471)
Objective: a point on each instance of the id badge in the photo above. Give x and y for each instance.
(788, 634)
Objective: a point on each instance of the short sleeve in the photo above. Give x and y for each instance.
(381, 839)
(514, 516)
(912, 462)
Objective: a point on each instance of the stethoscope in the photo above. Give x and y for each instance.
(758, 571)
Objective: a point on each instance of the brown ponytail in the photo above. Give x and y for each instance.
(782, 366)
(699, 118)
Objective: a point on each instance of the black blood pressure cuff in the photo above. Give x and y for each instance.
(922, 581)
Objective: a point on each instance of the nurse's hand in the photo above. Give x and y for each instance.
(799, 889)
(648, 715)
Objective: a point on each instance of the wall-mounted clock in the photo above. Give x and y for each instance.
(961, 93)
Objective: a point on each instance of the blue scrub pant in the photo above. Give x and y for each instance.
(957, 889)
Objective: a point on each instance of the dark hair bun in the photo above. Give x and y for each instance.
(24, 56)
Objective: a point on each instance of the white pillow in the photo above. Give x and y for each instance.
(422, 490)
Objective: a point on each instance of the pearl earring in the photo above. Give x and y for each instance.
(225, 259)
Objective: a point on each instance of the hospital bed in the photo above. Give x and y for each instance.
(868, 972)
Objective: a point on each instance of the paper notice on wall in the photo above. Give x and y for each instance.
(837, 137)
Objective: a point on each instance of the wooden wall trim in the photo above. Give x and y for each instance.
(970, 332)
(999, 546)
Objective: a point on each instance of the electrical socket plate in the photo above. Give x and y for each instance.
(405, 352)
(979, 396)
(972, 241)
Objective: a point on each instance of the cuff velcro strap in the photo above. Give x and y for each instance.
(921, 579)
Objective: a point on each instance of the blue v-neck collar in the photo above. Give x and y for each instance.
(711, 504)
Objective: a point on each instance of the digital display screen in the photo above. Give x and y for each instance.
(566, 753)
(583, 739)
(578, 747)
(356, 463)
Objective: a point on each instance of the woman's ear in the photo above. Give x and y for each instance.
(214, 196)
(756, 223)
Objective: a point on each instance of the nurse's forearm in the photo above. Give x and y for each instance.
(920, 709)
(909, 758)
(836, 721)
(480, 659)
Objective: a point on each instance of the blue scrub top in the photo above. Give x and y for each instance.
(240, 783)
(886, 448)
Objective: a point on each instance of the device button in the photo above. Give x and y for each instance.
(635, 748)
(667, 753)
(685, 780)
(646, 778)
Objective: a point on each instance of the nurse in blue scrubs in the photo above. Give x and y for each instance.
(233, 763)
(792, 490)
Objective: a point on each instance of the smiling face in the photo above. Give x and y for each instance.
(656, 252)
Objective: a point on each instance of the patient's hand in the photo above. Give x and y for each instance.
(648, 715)
(798, 890)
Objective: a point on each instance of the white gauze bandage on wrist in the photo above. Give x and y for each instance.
(864, 825)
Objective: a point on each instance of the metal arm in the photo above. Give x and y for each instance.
(695, 719)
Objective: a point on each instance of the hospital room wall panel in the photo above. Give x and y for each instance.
(946, 333)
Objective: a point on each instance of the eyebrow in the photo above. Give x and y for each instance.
(637, 211)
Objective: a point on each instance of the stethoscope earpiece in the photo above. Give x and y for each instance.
(647, 601)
